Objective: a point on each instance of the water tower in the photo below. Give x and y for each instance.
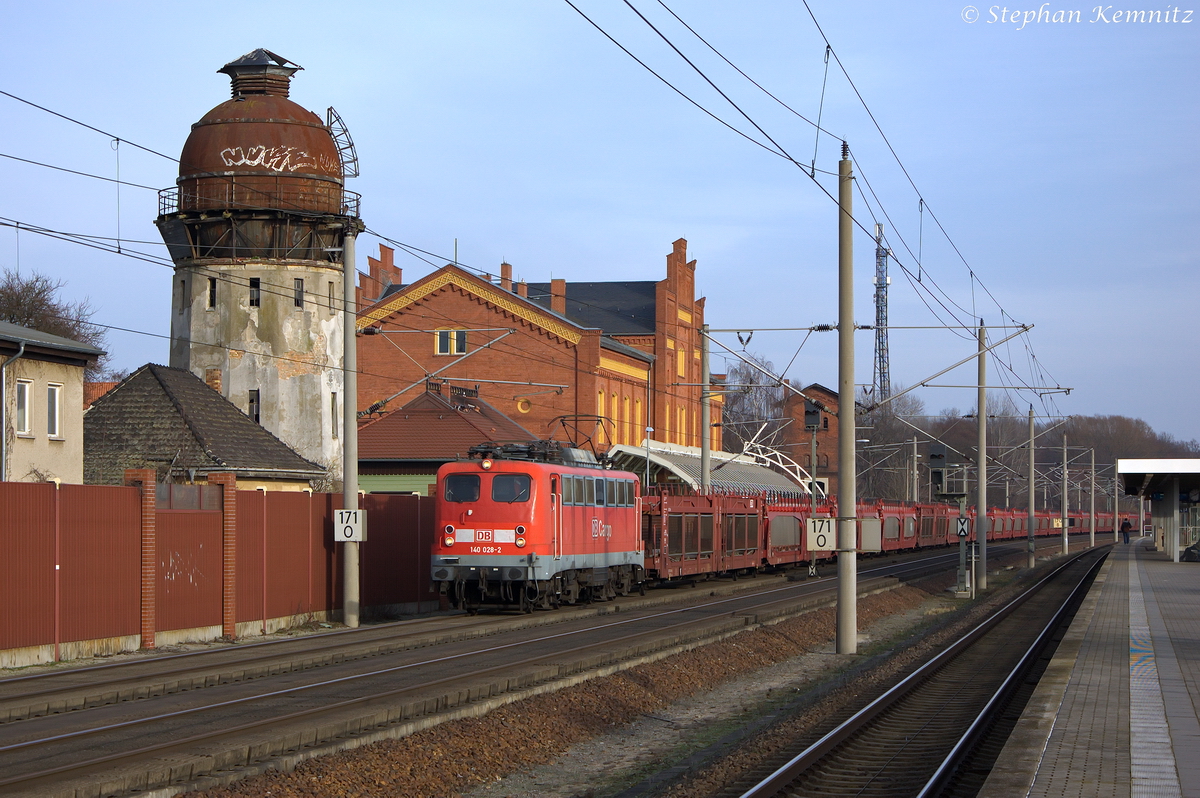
(255, 226)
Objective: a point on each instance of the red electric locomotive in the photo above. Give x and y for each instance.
(536, 524)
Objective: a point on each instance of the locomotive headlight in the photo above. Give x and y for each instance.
(520, 543)
(449, 540)
(487, 464)
(520, 530)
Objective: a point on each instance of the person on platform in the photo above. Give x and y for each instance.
(1125, 527)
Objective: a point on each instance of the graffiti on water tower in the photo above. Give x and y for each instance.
(277, 159)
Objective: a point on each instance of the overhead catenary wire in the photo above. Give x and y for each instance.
(782, 153)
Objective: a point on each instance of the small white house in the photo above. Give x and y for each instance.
(41, 405)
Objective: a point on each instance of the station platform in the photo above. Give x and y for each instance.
(1117, 713)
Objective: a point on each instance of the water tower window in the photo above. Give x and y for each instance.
(298, 292)
(332, 307)
(255, 292)
(255, 406)
(212, 292)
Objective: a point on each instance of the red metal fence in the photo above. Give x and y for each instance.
(71, 563)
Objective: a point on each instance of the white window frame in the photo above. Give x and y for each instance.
(54, 395)
(23, 426)
(450, 341)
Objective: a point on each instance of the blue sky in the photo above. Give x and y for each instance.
(1061, 158)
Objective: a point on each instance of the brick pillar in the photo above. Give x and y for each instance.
(145, 480)
(228, 483)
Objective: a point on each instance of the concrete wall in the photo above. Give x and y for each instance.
(291, 356)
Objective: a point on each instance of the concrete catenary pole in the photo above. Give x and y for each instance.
(915, 486)
(1117, 505)
(1092, 511)
(1030, 520)
(705, 414)
(847, 600)
(981, 517)
(1065, 497)
(350, 589)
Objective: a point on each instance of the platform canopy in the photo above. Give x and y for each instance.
(1148, 477)
(730, 473)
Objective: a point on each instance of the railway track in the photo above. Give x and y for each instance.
(912, 740)
(174, 720)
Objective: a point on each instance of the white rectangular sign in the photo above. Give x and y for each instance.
(820, 535)
(350, 526)
(872, 534)
(963, 526)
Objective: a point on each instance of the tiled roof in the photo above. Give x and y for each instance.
(618, 308)
(169, 420)
(432, 427)
(94, 390)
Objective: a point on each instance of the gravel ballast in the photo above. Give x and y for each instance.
(566, 743)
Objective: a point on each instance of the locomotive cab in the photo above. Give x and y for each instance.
(534, 525)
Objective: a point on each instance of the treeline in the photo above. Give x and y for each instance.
(886, 469)
(753, 411)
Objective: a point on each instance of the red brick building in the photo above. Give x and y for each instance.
(627, 352)
(797, 441)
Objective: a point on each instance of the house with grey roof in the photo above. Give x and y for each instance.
(169, 420)
(41, 405)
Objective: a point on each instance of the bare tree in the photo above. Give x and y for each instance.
(885, 464)
(753, 407)
(32, 300)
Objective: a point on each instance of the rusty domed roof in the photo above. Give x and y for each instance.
(260, 149)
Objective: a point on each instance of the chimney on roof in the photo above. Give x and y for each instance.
(212, 378)
(558, 296)
(506, 276)
(261, 72)
(523, 289)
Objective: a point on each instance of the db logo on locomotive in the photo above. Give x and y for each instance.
(600, 530)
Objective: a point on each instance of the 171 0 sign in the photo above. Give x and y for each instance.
(821, 535)
(350, 526)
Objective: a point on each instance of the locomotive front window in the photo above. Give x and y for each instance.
(510, 488)
(462, 488)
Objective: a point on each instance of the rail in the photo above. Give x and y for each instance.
(779, 781)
